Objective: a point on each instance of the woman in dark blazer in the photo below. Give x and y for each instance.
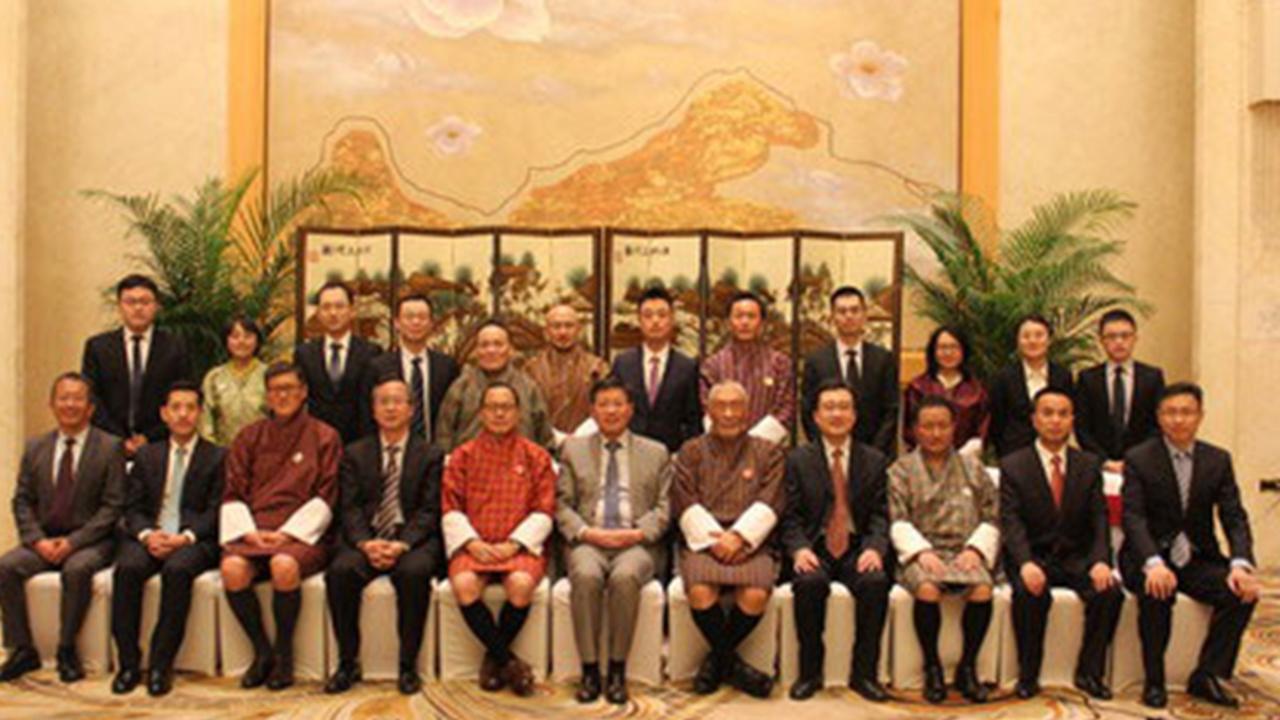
(1013, 387)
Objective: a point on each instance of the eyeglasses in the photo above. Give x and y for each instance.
(283, 388)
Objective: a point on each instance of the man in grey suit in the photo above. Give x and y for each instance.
(69, 495)
(611, 506)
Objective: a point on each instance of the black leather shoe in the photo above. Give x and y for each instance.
(1209, 688)
(491, 674)
(20, 662)
(935, 685)
(1093, 687)
(589, 688)
(1154, 696)
(969, 685)
(281, 673)
(257, 672)
(126, 680)
(709, 674)
(805, 688)
(69, 668)
(1027, 689)
(615, 688)
(750, 680)
(409, 683)
(342, 679)
(869, 689)
(159, 682)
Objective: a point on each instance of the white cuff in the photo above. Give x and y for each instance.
(457, 532)
(234, 522)
(697, 525)
(1242, 563)
(769, 429)
(587, 428)
(532, 532)
(986, 540)
(755, 524)
(189, 536)
(309, 522)
(907, 540)
(557, 437)
(706, 424)
(973, 447)
(1111, 483)
(142, 536)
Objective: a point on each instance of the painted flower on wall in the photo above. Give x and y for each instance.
(515, 20)
(453, 136)
(868, 71)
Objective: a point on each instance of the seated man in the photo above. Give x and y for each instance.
(727, 490)
(390, 525)
(836, 527)
(944, 523)
(281, 483)
(612, 510)
(498, 499)
(66, 502)
(1172, 485)
(1058, 538)
(171, 528)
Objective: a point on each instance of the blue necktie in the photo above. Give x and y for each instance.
(612, 493)
(171, 512)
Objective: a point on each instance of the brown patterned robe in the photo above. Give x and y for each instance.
(566, 379)
(768, 376)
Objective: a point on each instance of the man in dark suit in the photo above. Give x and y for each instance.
(1172, 484)
(836, 528)
(390, 519)
(1013, 387)
(132, 367)
(662, 380)
(171, 528)
(1116, 400)
(1053, 518)
(429, 373)
(68, 497)
(869, 369)
(335, 363)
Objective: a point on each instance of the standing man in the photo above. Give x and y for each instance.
(1116, 399)
(764, 373)
(612, 505)
(1172, 486)
(662, 381)
(727, 491)
(132, 367)
(1053, 518)
(390, 521)
(171, 528)
(66, 502)
(836, 527)
(565, 371)
(869, 369)
(428, 373)
(334, 364)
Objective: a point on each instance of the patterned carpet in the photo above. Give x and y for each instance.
(40, 695)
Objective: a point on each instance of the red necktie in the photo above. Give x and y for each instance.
(59, 520)
(1057, 481)
(838, 522)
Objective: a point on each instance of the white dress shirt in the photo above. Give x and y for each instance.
(1128, 386)
(646, 357)
(144, 347)
(169, 489)
(1037, 380)
(842, 356)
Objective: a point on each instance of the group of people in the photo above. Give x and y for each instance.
(361, 463)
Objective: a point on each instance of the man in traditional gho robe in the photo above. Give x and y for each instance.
(281, 486)
(944, 522)
(459, 419)
(565, 372)
(765, 373)
(499, 495)
(727, 492)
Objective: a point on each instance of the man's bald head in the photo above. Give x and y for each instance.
(563, 327)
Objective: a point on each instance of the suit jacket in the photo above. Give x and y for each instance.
(338, 405)
(201, 489)
(877, 394)
(99, 489)
(1011, 406)
(676, 416)
(441, 371)
(1093, 410)
(1153, 514)
(104, 363)
(810, 499)
(1033, 529)
(580, 484)
(360, 478)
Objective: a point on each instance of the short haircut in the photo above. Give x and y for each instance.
(1050, 390)
(246, 323)
(655, 293)
(494, 322)
(610, 382)
(337, 285)
(1036, 318)
(724, 386)
(833, 384)
(136, 280)
(416, 297)
(847, 291)
(386, 378)
(499, 385)
(1182, 388)
(747, 296)
(284, 368)
(1116, 315)
(933, 401)
(931, 351)
(73, 376)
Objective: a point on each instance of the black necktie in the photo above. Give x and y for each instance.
(135, 383)
(417, 383)
(852, 375)
(1118, 401)
(389, 514)
(335, 363)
